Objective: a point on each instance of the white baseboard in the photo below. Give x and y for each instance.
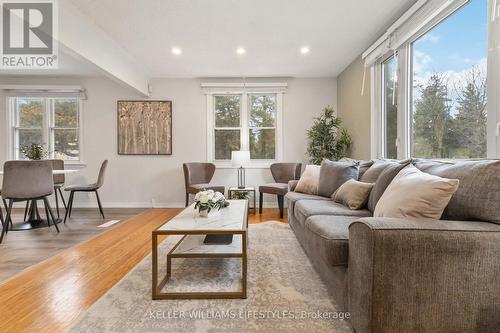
(90, 204)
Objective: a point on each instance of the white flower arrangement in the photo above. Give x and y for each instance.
(209, 200)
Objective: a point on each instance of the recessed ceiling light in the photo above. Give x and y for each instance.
(176, 50)
(304, 50)
(240, 50)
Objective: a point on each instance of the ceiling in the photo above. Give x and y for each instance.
(209, 31)
(271, 31)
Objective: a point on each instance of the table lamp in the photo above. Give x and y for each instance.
(239, 159)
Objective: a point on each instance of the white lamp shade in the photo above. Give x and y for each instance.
(240, 158)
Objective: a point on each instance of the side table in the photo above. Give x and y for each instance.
(232, 190)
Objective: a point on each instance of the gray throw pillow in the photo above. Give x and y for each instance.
(333, 174)
(384, 179)
(363, 167)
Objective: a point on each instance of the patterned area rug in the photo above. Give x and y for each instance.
(285, 294)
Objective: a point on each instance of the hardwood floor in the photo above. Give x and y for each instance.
(50, 296)
(23, 249)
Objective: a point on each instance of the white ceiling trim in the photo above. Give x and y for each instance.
(236, 87)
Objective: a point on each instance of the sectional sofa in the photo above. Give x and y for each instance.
(410, 275)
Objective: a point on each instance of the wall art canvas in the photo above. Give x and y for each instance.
(144, 127)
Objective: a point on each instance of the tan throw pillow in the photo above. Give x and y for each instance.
(416, 194)
(353, 194)
(308, 182)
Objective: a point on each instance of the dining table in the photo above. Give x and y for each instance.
(34, 219)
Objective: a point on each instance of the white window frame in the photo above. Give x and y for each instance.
(424, 23)
(48, 126)
(244, 90)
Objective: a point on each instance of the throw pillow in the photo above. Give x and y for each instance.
(353, 194)
(373, 172)
(333, 174)
(308, 182)
(363, 167)
(415, 194)
(383, 180)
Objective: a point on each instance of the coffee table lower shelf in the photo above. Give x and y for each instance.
(191, 246)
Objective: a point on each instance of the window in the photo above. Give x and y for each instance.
(262, 127)
(390, 106)
(449, 117)
(241, 119)
(50, 121)
(227, 125)
(429, 83)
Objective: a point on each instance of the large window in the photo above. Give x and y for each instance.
(449, 117)
(49, 121)
(435, 65)
(244, 120)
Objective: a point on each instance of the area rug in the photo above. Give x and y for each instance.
(285, 294)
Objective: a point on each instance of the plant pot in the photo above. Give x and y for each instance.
(213, 212)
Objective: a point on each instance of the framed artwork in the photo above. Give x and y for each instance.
(144, 127)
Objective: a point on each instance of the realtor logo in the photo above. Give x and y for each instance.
(28, 34)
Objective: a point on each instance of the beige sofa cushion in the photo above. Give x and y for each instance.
(415, 194)
(308, 182)
(306, 208)
(353, 194)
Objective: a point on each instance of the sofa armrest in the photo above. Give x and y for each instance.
(292, 184)
(424, 275)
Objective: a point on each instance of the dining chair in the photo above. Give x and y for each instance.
(282, 174)
(5, 205)
(1, 214)
(87, 188)
(27, 180)
(197, 176)
(59, 181)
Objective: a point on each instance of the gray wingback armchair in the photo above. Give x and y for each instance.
(282, 174)
(197, 177)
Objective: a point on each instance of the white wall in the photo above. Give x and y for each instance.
(136, 181)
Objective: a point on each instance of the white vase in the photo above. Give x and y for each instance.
(213, 212)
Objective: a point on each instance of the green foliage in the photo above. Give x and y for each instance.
(262, 114)
(470, 123)
(327, 139)
(438, 132)
(227, 111)
(34, 151)
(227, 115)
(432, 119)
(239, 195)
(31, 124)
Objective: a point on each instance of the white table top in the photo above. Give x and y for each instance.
(242, 189)
(232, 217)
(57, 172)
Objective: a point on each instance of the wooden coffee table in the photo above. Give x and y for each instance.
(231, 220)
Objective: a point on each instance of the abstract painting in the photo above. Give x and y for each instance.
(144, 127)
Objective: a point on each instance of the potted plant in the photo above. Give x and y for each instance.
(239, 195)
(34, 151)
(327, 138)
(209, 202)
